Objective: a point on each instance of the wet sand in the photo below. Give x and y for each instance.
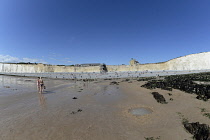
(99, 112)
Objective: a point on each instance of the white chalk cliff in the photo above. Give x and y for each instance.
(200, 61)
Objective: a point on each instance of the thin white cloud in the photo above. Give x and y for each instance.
(66, 60)
(11, 59)
(7, 58)
(53, 58)
(51, 54)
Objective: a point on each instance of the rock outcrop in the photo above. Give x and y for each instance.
(199, 131)
(159, 98)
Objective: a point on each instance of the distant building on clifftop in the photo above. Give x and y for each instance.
(133, 62)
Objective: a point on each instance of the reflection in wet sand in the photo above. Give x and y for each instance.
(85, 84)
(42, 100)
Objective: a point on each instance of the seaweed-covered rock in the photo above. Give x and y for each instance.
(184, 83)
(199, 131)
(159, 98)
(157, 84)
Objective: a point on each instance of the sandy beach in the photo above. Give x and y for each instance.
(95, 110)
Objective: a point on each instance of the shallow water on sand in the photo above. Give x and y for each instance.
(140, 111)
(10, 85)
(14, 85)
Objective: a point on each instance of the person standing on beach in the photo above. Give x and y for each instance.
(40, 84)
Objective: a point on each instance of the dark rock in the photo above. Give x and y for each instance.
(107, 79)
(159, 98)
(171, 99)
(114, 83)
(169, 94)
(74, 98)
(199, 131)
(79, 110)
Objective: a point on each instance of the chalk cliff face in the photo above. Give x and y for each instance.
(37, 68)
(200, 61)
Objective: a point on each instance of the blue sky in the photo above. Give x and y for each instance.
(102, 31)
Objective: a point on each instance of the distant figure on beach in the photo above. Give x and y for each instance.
(40, 85)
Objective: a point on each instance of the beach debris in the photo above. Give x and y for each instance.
(199, 131)
(207, 115)
(74, 98)
(159, 98)
(79, 110)
(152, 138)
(114, 83)
(73, 112)
(7, 86)
(205, 112)
(169, 94)
(80, 90)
